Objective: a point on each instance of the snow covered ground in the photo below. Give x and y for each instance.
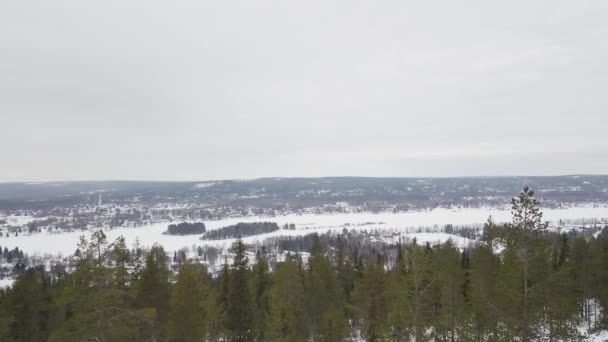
(4, 283)
(601, 336)
(409, 224)
(14, 220)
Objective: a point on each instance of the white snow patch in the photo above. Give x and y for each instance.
(205, 185)
(4, 283)
(601, 336)
(17, 220)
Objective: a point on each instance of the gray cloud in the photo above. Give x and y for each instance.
(207, 90)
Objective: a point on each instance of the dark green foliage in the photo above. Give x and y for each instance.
(240, 230)
(188, 311)
(372, 302)
(239, 318)
(121, 256)
(93, 302)
(324, 297)
(286, 321)
(451, 306)
(186, 228)
(152, 289)
(484, 312)
(27, 305)
(262, 283)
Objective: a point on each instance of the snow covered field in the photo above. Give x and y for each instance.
(407, 223)
(601, 336)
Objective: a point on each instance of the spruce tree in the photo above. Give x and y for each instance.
(419, 282)
(153, 289)
(261, 284)
(240, 313)
(483, 293)
(372, 302)
(187, 318)
(90, 304)
(524, 242)
(560, 301)
(324, 297)
(223, 300)
(30, 303)
(451, 302)
(122, 258)
(286, 322)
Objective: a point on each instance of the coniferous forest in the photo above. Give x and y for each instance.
(241, 230)
(521, 282)
(186, 228)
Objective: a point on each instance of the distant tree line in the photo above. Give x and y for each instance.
(186, 228)
(9, 256)
(519, 284)
(241, 230)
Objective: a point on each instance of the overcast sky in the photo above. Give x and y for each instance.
(194, 90)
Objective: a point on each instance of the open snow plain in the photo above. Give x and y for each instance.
(422, 225)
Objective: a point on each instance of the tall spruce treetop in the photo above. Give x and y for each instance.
(526, 212)
(187, 319)
(261, 283)
(240, 260)
(527, 250)
(153, 286)
(121, 257)
(240, 313)
(324, 296)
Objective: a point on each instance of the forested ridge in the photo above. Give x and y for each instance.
(521, 282)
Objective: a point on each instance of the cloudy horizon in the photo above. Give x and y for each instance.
(197, 90)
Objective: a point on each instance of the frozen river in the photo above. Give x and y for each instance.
(406, 222)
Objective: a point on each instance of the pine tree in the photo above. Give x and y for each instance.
(583, 276)
(97, 248)
(261, 283)
(509, 290)
(30, 303)
(187, 318)
(398, 302)
(223, 297)
(92, 266)
(153, 289)
(286, 320)
(524, 240)
(560, 301)
(345, 270)
(419, 282)
(215, 320)
(240, 313)
(372, 302)
(324, 296)
(90, 305)
(483, 292)
(122, 258)
(450, 277)
(599, 266)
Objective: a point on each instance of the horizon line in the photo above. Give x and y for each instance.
(298, 177)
